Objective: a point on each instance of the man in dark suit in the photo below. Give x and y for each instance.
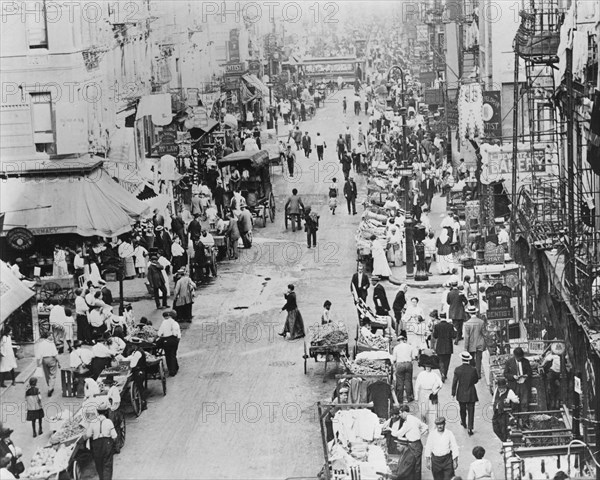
(107, 296)
(444, 334)
(350, 192)
(518, 374)
(463, 388)
(382, 306)
(306, 144)
(456, 310)
(360, 283)
(398, 307)
(195, 228)
(428, 189)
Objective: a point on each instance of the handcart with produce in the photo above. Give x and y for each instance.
(327, 342)
(378, 322)
(145, 336)
(375, 362)
(67, 449)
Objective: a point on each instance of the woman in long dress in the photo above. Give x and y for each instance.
(294, 325)
(59, 267)
(183, 297)
(8, 363)
(428, 383)
(380, 263)
(444, 252)
(395, 246)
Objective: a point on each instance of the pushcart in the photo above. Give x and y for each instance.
(378, 322)
(290, 218)
(320, 350)
(255, 185)
(156, 364)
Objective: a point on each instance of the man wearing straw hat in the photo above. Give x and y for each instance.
(463, 388)
(474, 339)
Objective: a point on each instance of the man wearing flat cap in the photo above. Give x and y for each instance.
(463, 388)
(474, 339)
(441, 451)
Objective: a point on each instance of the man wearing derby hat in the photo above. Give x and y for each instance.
(504, 400)
(456, 309)
(444, 334)
(382, 306)
(474, 339)
(441, 451)
(518, 374)
(463, 388)
(156, 280)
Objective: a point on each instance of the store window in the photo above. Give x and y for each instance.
(43, 131)
(37, 25)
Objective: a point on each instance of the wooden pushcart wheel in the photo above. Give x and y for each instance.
(272, 207)
(305, 360)
(264, 216)
(135, 396)
(285, 219)
(76, 470)
(163, 377)
(121, 429)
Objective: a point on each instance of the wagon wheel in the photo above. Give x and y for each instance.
(121, 429)
(285, 217)
(249, 235)
(272, 207)
(76, 470)
(305, 356)
(135, 397)
(214, 262)
(163, 376)
(264, 216)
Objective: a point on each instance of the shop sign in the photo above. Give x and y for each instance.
(497, 162)
(472, 209)
(185, 150)
(537, 346)
(427, 77)
(499, 298)
(433, 96)
(71, 128)
(168, 141)
(326, 68)
(20, 238)
(577, 385)
(50, 230)
(237, 68)
(254, 67)
(452, 114)
(493, 253)
(492, 120)
(233, 45)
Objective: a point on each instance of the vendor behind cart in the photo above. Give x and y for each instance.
(102, 356)
(136, 356)
(102, 435)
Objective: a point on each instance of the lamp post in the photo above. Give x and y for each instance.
(272, 118)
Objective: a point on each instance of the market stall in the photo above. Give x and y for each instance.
(328, 342)
(353, 445)
(545, 445)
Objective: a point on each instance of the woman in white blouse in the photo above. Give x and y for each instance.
(428, 383)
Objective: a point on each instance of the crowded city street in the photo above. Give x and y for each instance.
(345, 245)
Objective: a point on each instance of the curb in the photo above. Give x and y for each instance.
(27, 372)
(395, 280)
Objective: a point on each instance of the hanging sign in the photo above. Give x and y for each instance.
(577, 385)
(168, 141)
(499, 298)
(20, 238)
(492, 119)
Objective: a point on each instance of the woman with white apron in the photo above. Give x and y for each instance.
(427, 387)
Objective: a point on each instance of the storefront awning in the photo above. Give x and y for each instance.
(13, 293)
(257, 84)
(89, 204)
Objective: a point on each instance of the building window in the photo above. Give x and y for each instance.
(37, 26)
(41, 110)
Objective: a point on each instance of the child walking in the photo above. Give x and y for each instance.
(33, 399)
(333, 194)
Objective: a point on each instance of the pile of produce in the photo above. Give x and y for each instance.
(47, 461)
(368, 367)
(146, 333)
(120, 368)
(376, 342)
(68, 431)
(332, 334)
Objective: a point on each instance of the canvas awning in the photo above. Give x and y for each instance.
(89, 204)
(257, 84)
(13, 293)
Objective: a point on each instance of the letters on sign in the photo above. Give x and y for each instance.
(318, 68)
(499, 298)
(493, 253)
